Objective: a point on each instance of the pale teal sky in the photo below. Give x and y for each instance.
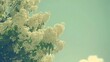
(87, 24)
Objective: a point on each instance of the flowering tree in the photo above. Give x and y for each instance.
(23, 38)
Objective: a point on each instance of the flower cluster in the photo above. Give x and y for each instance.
(92, 58)
(23, 38)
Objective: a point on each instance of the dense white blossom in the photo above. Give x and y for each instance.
(23, 35)
(30, 5)
(28, 47)
(59, 28)
(21, 17)
(49, 35)
(8, 23)
(92, 58)
(47, 58)
(37, 20)
(36, 37)
(59, 45)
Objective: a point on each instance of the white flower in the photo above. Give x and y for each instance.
(8, 23)
(92, 58)
(59, 45)
(24, 13)
(37, 20)
(25, 34)
(20, 18)
(83, 60)
(47, 58)
(22, 37)
(33, 21)
(30, 5)
(45, 17)
(28, 47)
(24, 30)
(32, 36)
(36, 37)
(59, 28)
(49, 35)
(38, 55)
(33, 7)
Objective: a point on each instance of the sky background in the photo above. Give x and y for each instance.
(87, 27)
